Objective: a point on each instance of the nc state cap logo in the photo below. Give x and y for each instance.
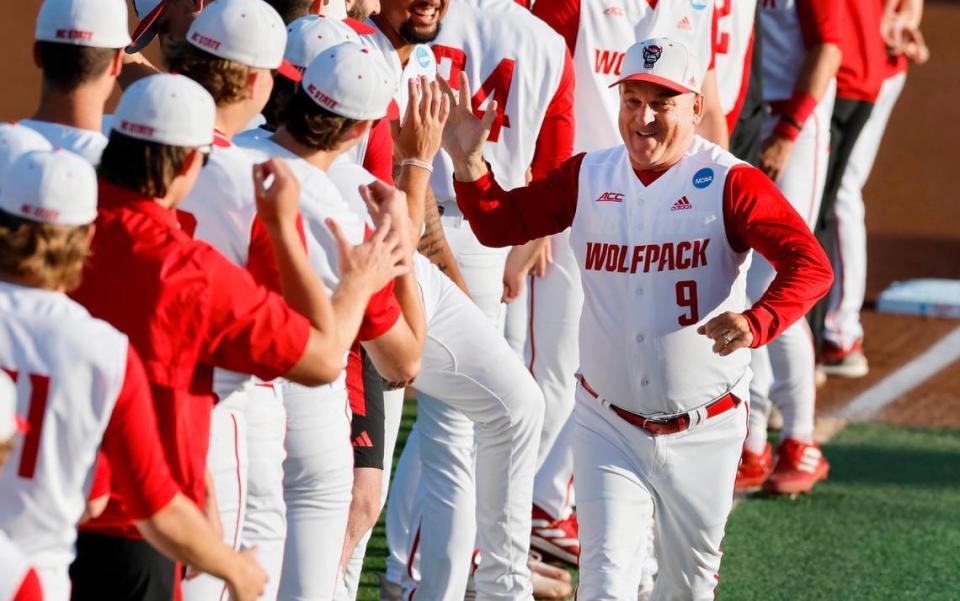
(651, 54)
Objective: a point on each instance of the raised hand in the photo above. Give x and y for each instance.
(464, 134)
(418, 136)
(278, 200)
(373, 264)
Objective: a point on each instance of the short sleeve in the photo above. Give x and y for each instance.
(251, 329)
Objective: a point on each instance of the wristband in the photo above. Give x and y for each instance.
(787, 128)
(417, 163)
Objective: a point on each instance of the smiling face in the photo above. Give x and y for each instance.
(417, 21)
(657, 124)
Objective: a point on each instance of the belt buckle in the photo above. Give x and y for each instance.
(659, 426)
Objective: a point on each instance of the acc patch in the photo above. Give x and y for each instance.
(703, 178)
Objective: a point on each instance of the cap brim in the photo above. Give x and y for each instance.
(656, 79)
(288, 70)
(144, 33)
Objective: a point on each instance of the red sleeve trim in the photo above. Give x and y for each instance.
(378, 158)
(556, 137)
(563, 16)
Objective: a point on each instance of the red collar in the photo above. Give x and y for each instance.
(220, 139)
(647, 177)
(111, 196)
(358, 27)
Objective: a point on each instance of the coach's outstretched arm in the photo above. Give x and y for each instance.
(500, 218)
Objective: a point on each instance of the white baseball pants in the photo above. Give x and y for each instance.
(784, 369)
(265, 522)
(228, 464)
(476, 400)
(625, 476)
(55, 582)
(552, 354)
(317, 485)
(842, 327)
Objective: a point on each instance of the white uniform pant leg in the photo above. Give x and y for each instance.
(517, 320)
(842, 327)
(687, 478)
(54, 582)
(318, 481)
(553, 356)
(783, 370)
(468, 365)
(444, 531)
(400, 508)
(228, 464)
(482, 268)
(265, 524)
(393, 409)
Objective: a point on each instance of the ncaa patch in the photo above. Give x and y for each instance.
(423, 56)
(698, 4)
(703, 178)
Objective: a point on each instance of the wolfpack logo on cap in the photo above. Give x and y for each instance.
(651, 54)
(703, 178)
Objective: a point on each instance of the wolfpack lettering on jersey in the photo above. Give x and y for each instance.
(510, 57)
(659, 258)
(69, 369)
(603, 31)
(734, 49)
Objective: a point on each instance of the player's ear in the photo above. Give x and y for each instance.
(698, 108)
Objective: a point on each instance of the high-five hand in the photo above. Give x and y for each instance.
(464, 134)
(418, 135)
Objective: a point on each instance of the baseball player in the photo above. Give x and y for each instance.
(187, 309)
(843, 333)
(739, 70)
(82, 389)
(859, 80)
(598, 34)
(665, 321)
(231, 49)
(345, 90)
(799, 69)
(19, 580)
(78, 48)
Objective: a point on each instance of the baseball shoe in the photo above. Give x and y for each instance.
(754, 468)
(799, 467)
(556, 539)
(390, 591)
(845, 363)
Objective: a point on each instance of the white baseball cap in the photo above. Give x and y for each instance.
(248, 32)
(309, 36)
(50, 186)
(10, 422)
(349, 80)
(15, 140)
(93, 23)
(167, 109)
(661, 61)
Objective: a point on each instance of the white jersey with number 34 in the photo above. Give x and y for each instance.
(509, 56)
(69, 369)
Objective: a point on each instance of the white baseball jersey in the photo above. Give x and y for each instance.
(733, 45)
(15, 568)
(646, 355)
(223, 205)
(509, 56)
(88, 144)
(605, 30)
(69, 369)
(784, 50)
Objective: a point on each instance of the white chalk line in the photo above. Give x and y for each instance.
(908, 377)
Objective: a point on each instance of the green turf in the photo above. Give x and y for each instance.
(886, 525)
